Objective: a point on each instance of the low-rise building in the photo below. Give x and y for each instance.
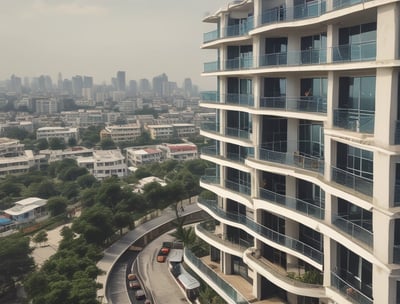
(74, 153)
(27, 210)
(184, 130)
(160, 132)
(121, 133)
(138, 157)
(13, 158)
(104, 164)
(185, 151)
(57, 132)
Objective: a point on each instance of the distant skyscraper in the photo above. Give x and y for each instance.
(188, 87)
(77, 85)
(60, 82)
(114, 83)
(121, 81)
(16, 84)
(160, 85)
(67, 87)
(144, 85)
(133, 88)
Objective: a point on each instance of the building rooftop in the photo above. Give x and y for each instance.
(25, 205)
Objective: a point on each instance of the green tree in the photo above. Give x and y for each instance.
(121, 220)
(40, 237)
(72, 142)
(56, 143)
(107, 144)
(95, 224)
(69, 189)
(17, 133)
(57, 205)
(15, 260)
(86, 181)
(42, 144)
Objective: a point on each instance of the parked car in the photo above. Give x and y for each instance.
(134, 284)
(140, 295)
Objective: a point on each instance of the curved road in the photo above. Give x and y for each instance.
(114, 288)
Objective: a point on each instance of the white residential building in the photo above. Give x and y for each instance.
(184, 130)
(13, 158)
(57, 132)
(27, 210)
(161, 132)
(185, 151)
(306, 152)
(137, 157)
(120, 133)
(104, 163)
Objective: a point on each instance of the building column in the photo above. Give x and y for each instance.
(332, 101)
(384, 169)
(227, 263)
(388, 31)
(292, 135)
(386, 105)
(258, 91)
(332, 38)
(380, 286)
(257, 126)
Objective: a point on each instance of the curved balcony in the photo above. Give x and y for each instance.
(210, 150)
(209, 96)
(293, 159)
(311, 104)
(212, 66)
(245, 61)
(349, 291)
(237, 132)
(280, 277)
(338, 4)
(265, 232)
(240, 29)
(210, 126)
(238, 187)
(211, 36)
(297, 12)
(210, 179)
(209, 275)
(360, 121)
(356, 232)
(239, 99)
(294, 58)
(363, 51)
(293, 203)
(355, 182)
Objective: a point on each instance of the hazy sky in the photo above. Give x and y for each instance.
(99, 37)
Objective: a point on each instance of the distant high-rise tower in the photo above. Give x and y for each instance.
(144, 85)
(121, 81)
(188, 87)
(132, 89)
(77, 85)
(160, 85)
(60, 82)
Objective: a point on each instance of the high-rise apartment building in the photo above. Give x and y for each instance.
(305, 192)
(121, 81)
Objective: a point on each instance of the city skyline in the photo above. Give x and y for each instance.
(98, 38)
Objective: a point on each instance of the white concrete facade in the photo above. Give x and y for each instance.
(306, 149)
(104, 164)
(120, 133)
(138, 157)
(63, 133)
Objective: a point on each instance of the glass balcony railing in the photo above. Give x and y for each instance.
(396, 254)
(266, 232)
(238, 187)
(240, 29)
(397, 133)
(212, 66)
(355, 231)
(239, 99)
(209, 96)
(227, 289)
(360, 121)
(210, 179)
(268, 152)
(363, 51)
(294, 58)
(312, 104)
(355, 182)
(211, 150)
(305, 207)
(349, 291)
(337, 4)
(245, 61)
(236, 132)
(237, 157)
(211, 36)
(281, 14)
(396, 202)
(210, 126)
